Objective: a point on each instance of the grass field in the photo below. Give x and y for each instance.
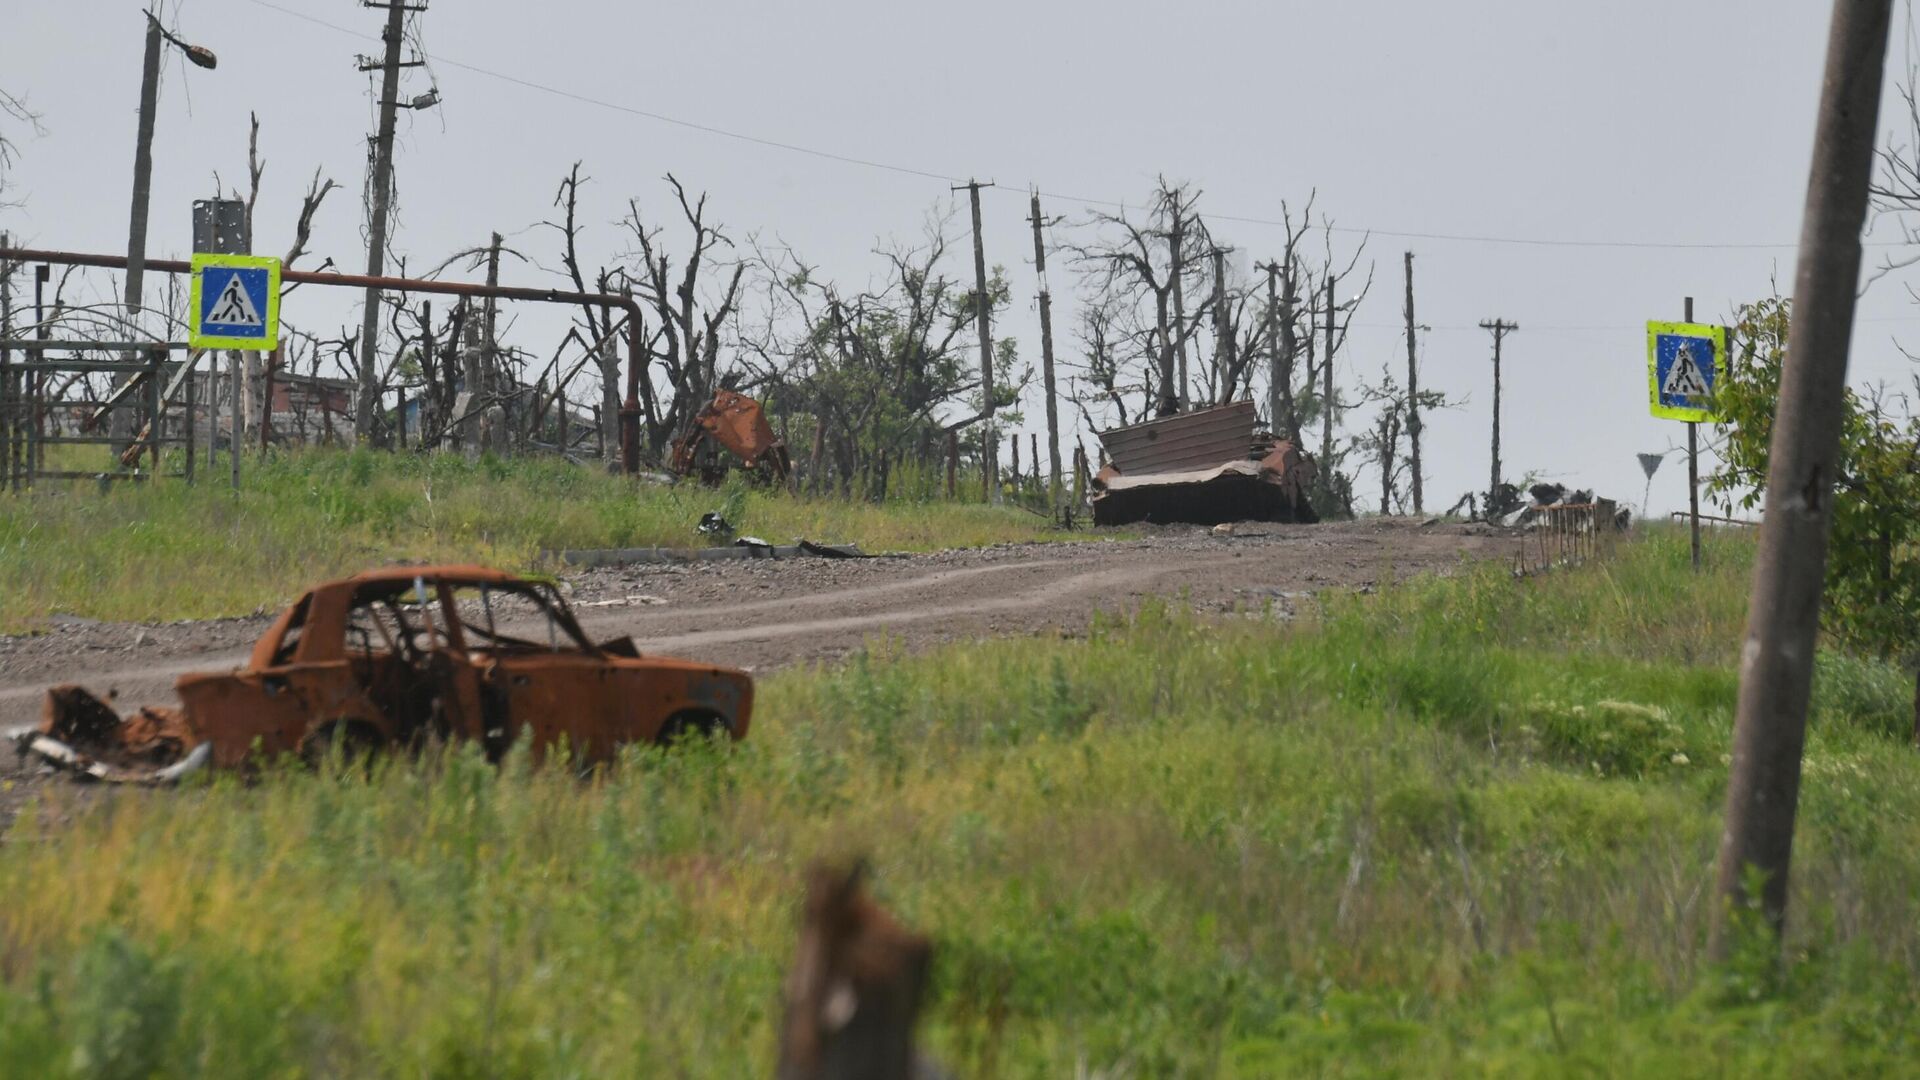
(1459, 827)
(172, 551)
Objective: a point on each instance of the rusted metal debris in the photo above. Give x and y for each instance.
(736, 424)
(1205, 468)
(402, 657)
(856, 986)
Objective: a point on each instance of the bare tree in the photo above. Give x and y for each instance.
(1134, 266)
(13, 108)
(600, 324)
(687, 348)
(1383, 445)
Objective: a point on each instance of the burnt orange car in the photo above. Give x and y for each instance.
(398, 657)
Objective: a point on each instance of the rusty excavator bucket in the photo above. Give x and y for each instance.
(735, 423)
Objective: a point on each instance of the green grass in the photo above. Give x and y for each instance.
(172, 551)
(1464, 826)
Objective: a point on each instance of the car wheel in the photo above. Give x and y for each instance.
(691, 726)
(352, 744)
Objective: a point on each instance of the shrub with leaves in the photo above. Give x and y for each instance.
(1873, 563)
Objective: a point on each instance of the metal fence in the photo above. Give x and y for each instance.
(49, 400)
(1566, 535)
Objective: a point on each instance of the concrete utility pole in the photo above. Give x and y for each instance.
(1046, 359)
(143, 174)
(1413, 394)
(1500, 328)
(1326, 393)
(983, 323)
(1789, 570)
(381, 194)
(143, 167)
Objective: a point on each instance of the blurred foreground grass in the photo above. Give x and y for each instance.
(1464, 826)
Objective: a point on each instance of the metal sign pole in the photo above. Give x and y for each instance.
(1693, 469)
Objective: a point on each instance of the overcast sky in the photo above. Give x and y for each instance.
(1635, 122)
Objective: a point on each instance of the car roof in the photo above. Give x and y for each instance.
(453, 573)
(397, 578)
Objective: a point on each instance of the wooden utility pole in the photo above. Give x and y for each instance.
(1326, 394)
(1413, 395)
(1274, 387)
(1789, 570)
(1046, 359)
(381, 196)
(1222, 333)
(1286, 422)
(489, 352)
(983, 324)
(1177, 242)
(1500, 328)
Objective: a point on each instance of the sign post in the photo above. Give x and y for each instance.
(1686, 363)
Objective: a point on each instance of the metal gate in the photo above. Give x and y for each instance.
(39, 410)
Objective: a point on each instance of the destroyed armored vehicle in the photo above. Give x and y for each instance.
(397, 658)
(1205, 467)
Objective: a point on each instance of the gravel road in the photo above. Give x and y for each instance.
(762, 615)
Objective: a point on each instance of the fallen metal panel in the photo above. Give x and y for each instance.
(1200, 439)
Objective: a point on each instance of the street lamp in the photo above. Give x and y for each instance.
(200, 55)
(143, 150)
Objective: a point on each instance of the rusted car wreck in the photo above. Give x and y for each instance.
(1204, 467)
(397, 658)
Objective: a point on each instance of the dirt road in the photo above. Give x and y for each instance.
(763, 615)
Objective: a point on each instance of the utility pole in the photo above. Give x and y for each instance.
(143, 167)
(1177, 256)
(1326, 395)
(489, 352)
(381, 194)
(983, 320)
(1500, 328)
(143, 173)
(1413, 395)
(1273, 348)
(1222, 333)
(1285, 422)
(1789, 570)
(1046, 359)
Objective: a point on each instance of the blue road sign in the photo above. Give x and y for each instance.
(235, 302)
(1684, 365)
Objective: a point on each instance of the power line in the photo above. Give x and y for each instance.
(1085, 200)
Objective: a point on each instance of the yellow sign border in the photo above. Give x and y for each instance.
(268, 341)
(1655, 330)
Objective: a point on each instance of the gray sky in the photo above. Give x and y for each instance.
(1657, 121)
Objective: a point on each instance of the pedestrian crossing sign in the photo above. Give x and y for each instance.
(1686, 364)
(234, 302)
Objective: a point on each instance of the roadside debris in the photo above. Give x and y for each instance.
(1581, 503)
(746, 547)
(1205, 467)
(733, 423)
(398, 658)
